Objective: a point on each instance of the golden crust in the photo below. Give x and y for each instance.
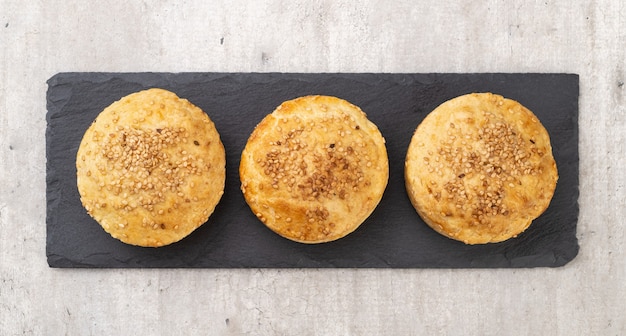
(314, 169)
(151, 168)
(480, 169)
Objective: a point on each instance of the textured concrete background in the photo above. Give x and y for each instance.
(41, 38)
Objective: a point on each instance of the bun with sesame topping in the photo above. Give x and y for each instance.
(314, 169)
(479, 169)
(151, 168)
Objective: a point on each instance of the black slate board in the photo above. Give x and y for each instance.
(393, 237)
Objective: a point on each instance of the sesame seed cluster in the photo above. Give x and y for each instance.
(317, 170)
(495, 155)
(310, 169)
(140, 165)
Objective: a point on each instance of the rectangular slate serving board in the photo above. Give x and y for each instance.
(394, 236)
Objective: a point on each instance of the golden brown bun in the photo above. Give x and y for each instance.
(151, 168)
(479, 168)
(314, 169)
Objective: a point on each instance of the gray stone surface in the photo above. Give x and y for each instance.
(41, 38)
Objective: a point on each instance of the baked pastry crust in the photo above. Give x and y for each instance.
(480, 169)
(151, 168)
(314, 169)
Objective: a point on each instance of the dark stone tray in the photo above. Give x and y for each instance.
(393, 237)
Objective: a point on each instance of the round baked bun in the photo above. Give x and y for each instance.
(151, 168)
(479, 168)
(314, 169)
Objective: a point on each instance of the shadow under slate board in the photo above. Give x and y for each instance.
(394, 236)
